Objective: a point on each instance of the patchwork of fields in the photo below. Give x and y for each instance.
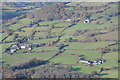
(81, 40)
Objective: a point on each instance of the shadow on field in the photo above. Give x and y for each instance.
(104, 74)
(77, 69)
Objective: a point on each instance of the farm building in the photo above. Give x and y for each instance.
(85, 61)
(87, 21)
(22, 47)
(38, 44)
(14, 48)
(100, 61)
(68, 20)
(29, 49)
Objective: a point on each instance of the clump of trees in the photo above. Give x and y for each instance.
(47, 71)
(102, 51)
(51, 12)
(71, 40)
(31, 63)
(94, 73)
(61, 46)
(7, 31)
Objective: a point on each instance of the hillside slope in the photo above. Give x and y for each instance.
(82, 36)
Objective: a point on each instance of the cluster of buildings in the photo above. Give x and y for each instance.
(28, 46)
(16, 47)
(85, 21)
(96, 62)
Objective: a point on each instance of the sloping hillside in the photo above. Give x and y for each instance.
(82, 36)
(76, 10)
(13, 9)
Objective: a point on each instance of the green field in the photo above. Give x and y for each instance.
(89, 55)
(42, 40)
(9, 38)
(17, 58)
(65, 59)
(77, 45)
(45, 49)
(48, 22)
(109, 36)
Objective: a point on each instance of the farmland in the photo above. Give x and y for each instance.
(64, 42)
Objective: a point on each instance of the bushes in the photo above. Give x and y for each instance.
(46, 71)
(71, 40)
(53, 71)
(94, 73)
(61, 46)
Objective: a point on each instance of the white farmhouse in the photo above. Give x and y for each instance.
(85, 61)
(87, 21)
(12, 50)
(29, 49)
(15, 46)
(22, 47)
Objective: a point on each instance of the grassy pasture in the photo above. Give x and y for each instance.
(109, 36)
(62, 24)
(28, 29)
(56, 30)
(41, 28)
(25, 21)
(11, 59)
(42, 40)
(110, 74)
(48, 22)
(76, 45)
(15, 26)
(65, 59)
(67, 36)
(115, 19)
(80, 26)
(44, 48)
(9, 38)
(69, 8)
(25, 34)
(72, 4)
(40, 34)
(3, 35)
(89, 55)
(21, 23)
(16, 58)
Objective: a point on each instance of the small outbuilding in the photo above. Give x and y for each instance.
(29, 49)
(68, 20)
(12, 50)
(22, 47)
(87, 21)
(85, 61)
